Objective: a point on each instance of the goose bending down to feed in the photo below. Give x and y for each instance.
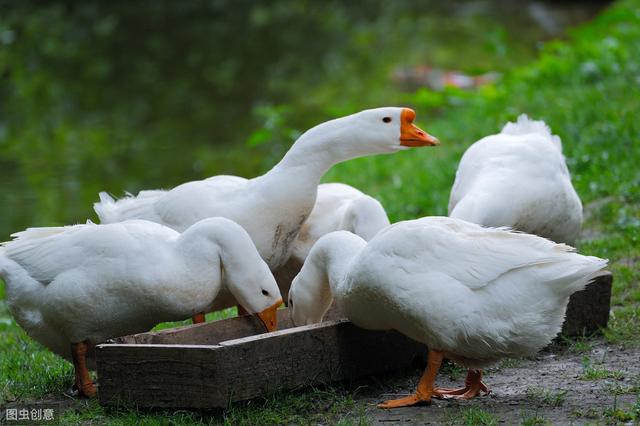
(338, 207)
(472, 294)
(273, 207)
(76, 286)
(519, 179)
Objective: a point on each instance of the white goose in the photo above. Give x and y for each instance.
(338, 207)
(273, 207)
(73, 287)
(518, 178)
(469, 293)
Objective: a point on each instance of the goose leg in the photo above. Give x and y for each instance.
(473, 386)
(84, 383)
(425, 387)
(198, 318)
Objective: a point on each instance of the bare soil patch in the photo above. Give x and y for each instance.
(553, 386)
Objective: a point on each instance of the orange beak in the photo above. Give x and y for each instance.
(410, 134)
(269, 317)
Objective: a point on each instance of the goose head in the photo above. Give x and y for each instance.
(322, 275)
(246, 274)
(389, 129)
(259, 294)
(368, 132)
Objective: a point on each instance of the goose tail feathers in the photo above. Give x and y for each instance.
(106, 208)
(578, 274)
(525, 125)
(110, 210)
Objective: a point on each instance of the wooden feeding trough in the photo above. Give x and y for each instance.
(212, 364)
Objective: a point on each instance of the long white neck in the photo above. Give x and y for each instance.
(328, 264)
(222, 243)
(317, 150)
(320, 147)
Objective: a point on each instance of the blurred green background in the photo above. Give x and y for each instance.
(123, 96)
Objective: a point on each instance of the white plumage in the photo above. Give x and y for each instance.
(88, 283)
(471, 293)
(339, 207)
(518, 178)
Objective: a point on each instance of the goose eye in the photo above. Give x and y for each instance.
(265, 292)
(387, 119)
(290, 303)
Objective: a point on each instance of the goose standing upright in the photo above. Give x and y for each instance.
(273, 207)
(519, 179)
(73, 287)
(472, 294)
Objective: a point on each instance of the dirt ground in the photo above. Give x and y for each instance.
(526, 389)
(559, 386)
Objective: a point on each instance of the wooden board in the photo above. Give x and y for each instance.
(588, 310)
(212, 364)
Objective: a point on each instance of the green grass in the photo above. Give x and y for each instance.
(471, 416)
(576, 345)
(600, 373)
(327, 406)
(618, 388)
(508, 363)
(211, 316)
(626, 414)
(452, 370)
(547, 397)
(533, 420)
(585, 88)
(593, 371)
(614, 414)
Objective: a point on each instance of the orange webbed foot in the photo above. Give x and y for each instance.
(404, 402)
(473, 387)
(425, 387)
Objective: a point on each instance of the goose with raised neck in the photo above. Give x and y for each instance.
(273, 207)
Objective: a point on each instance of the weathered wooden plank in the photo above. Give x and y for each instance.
(588, 310)
(159, 375)
(197, 376)
(322, 353)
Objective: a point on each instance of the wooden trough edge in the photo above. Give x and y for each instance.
(212, 376)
